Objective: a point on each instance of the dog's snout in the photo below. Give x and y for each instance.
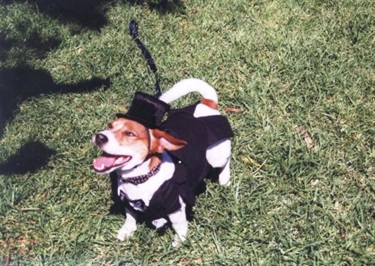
(101, 139)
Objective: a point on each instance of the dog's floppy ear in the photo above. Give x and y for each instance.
(164, 141)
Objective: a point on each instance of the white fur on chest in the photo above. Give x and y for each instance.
(146, 190)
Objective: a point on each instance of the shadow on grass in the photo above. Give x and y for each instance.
(84, 13)
(29, 158)
(21, 83)
(33, 45)
(91, 14)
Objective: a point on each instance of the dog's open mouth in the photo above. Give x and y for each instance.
(106, 162)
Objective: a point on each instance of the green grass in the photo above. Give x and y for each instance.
(289, 66)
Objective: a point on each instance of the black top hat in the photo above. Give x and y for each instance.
(147, 110)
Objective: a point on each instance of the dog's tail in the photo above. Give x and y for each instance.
(186, 86)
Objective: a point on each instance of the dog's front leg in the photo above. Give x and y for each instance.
(129, 226)
(179, 224)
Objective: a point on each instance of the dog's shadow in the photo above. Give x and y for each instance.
(28, 159)
(20, 83)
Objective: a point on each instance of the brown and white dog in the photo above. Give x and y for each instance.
(144, 162)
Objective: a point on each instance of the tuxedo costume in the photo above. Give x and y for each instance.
(191, 166)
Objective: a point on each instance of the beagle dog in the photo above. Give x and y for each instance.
(159, 162)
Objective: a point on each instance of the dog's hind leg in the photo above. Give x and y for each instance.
(129, 226)
(224, 176)
(218, 156)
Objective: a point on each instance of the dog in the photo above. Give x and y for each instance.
(160, 162)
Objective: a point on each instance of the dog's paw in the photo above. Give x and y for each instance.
(224, 180)
(178, 241)
(125, 233)
(225, 183)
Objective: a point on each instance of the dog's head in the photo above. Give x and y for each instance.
(126, 144)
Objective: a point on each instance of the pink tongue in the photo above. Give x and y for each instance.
(104, 160)
(105, 163)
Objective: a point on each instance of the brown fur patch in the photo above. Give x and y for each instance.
(210, 103)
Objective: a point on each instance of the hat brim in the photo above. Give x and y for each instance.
(137, 119)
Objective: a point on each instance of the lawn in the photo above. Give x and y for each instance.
(296, 79)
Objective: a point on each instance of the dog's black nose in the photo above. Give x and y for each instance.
(101, 139)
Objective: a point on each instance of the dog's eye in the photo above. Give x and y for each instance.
(129, 134)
